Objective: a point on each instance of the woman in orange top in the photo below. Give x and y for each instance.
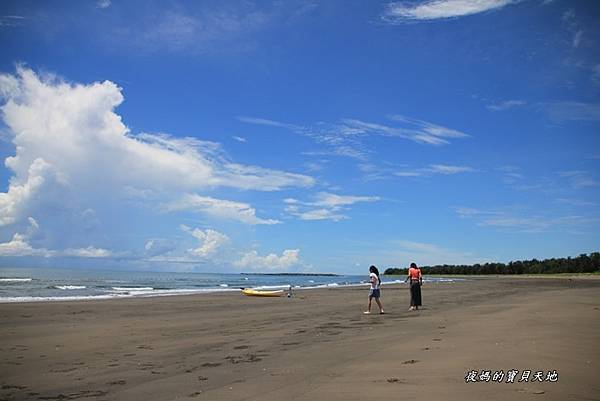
(416, 279)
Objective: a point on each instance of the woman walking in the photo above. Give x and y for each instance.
(416, 280)
(374, 292)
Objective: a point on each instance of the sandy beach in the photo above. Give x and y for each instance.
(317, 345)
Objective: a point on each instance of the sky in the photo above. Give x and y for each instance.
(297, 136)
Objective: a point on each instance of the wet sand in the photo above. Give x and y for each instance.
(315, 346)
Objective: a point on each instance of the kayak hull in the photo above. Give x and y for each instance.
(255, 293)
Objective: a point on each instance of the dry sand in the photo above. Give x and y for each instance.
(315, 346)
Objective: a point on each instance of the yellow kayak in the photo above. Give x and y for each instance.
(255, 293)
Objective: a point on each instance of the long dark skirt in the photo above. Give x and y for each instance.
(415, 294)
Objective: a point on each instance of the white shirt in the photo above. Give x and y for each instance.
(374, 281)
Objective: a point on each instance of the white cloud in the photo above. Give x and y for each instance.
(239, 139)
(333, 201)
(210, 241)
(577, 38)
(103, 3)
(439, 9)
(22, 190)
(316, 214)
(89, 252)
(403, 252)
(433, 169)
(253, 261)
(524, 222)
(73, 154)
(18, 246)
(158, 246)
(447, 170)
(347, 136)
(326, 206)
(575, 202)
(219, 208)
(579, 179)
(572, 111)
(505, 105)
(11, 20)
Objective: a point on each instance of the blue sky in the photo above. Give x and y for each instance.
(297, 135)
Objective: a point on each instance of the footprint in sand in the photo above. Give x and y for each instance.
(210, 365)
(117, 383)
(241, 347)
(437, 339)
(409, 362)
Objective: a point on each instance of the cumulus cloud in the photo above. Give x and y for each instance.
(326, 206)
(252, 260)
(439, 9)
(18, 246)
(89, 252)
(74, 153)
(210, 241)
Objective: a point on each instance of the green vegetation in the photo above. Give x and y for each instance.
(584, 263)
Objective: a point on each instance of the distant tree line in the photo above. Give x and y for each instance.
(583, 263)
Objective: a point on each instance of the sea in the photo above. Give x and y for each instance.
(43, 284)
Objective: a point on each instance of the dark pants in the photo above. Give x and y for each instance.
(415, 293)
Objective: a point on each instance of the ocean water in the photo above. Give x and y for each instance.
(42, 284)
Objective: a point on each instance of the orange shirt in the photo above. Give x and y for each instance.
(414, 274)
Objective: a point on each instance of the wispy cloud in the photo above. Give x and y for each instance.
(505, 105)
(579, 179)
(433, 169)
(404, 252)
(572, 111)
(203, 28)
(511, 174)
(8, 21)
(595, 77)
(326, 206)
(239, 139)
(219, 208)
(575, 202)
(347, 136)
(572, 25)
(103, 4)
(525, 223)
(402, 11)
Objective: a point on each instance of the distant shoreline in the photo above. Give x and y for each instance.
(291, 274)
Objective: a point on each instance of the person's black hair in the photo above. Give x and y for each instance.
(414, 265)
(374, 269)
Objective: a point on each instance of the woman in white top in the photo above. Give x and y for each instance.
(374, 292)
